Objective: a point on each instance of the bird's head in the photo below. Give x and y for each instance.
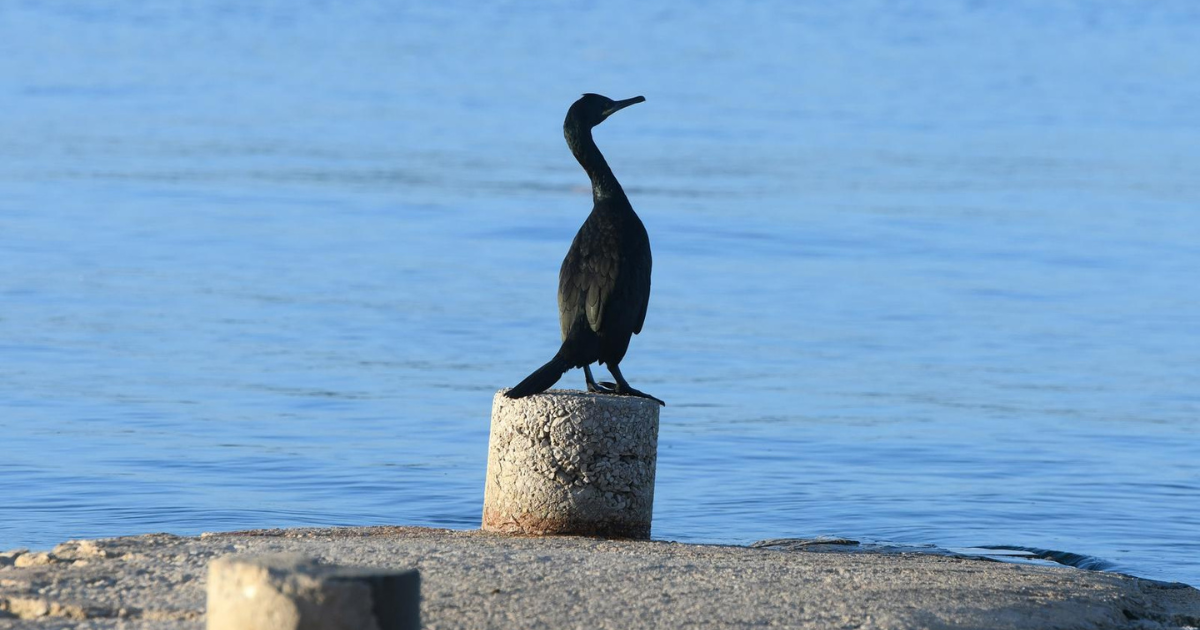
(591, 109)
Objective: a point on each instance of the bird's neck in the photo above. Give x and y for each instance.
(583, 147)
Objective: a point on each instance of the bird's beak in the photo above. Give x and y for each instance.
(619, 105)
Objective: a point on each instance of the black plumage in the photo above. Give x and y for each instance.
(604, 283)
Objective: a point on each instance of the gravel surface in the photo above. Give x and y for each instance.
(472, 579)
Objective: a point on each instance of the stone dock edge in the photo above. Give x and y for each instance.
(475, 579)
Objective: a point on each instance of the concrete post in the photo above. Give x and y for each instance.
(571, 462)
(291, 592)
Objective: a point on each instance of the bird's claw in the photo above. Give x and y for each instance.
(605, 387)
(633, 392)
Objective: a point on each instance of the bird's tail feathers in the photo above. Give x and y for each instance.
(542, 378)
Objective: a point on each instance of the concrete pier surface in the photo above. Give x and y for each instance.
(473, 579)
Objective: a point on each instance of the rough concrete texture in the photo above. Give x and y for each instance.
(571, 462)
(474, 579)
(284, 591)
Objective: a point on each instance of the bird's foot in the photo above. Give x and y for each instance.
(629, 391)
(602, 388)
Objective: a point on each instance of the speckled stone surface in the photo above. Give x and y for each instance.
(474, 579)
(571, 462)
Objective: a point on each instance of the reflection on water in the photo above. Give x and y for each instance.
(920, 276)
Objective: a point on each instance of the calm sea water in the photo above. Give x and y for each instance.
(925, 273)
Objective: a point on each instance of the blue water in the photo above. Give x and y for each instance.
(924, 272)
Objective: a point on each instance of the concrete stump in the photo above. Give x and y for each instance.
(571, 462)
(291, 592)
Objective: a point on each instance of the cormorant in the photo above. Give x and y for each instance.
(604, 283)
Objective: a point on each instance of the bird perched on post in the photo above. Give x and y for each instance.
(604, 283)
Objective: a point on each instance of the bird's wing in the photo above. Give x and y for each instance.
(643, 290)
(586, 281)
(601, 277)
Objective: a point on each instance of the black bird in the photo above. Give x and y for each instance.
(604, 283)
